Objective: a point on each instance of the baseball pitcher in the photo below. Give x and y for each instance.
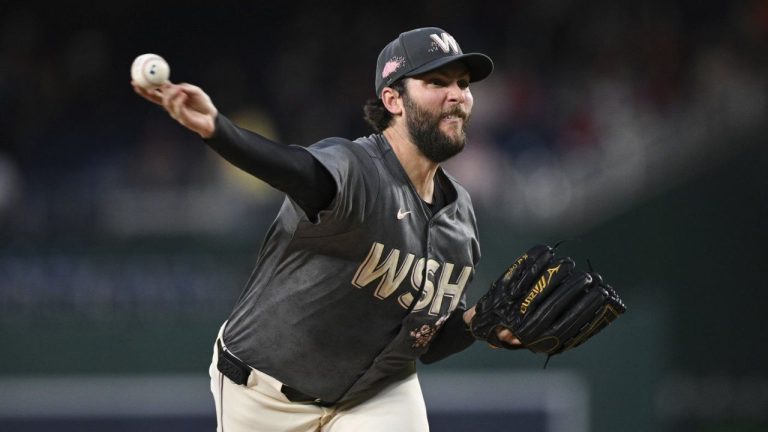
(365, 268)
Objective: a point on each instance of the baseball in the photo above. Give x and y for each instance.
(150, 71)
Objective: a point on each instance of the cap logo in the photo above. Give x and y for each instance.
(445, 42)
(392, 66)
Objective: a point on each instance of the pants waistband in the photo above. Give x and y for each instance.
(238, 372)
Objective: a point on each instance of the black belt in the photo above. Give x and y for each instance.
(238, 372)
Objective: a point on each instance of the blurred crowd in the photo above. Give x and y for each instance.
(587, 98)
(111, 212)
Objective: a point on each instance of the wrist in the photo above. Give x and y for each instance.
(209, 130)
(468, 315)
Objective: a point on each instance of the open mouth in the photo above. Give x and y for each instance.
(454, 117)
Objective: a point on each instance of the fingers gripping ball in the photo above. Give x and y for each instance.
(150, 71)
(547, 303)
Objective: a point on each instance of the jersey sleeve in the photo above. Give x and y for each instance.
(356, 179)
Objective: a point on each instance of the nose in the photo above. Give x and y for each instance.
(455, 93)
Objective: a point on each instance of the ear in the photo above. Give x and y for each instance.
(392, 100)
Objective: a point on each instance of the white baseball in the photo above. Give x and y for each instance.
(150, 71)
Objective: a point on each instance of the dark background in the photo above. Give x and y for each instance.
(636, 130)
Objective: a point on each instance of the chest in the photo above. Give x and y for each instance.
(423, 260)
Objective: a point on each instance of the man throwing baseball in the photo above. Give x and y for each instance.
(365, 267)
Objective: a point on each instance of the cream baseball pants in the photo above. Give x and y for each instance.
(260, 406)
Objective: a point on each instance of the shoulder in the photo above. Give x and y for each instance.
(361, 148)
(343, 153)
(368, 144)
(349, 162)
(357, 178)
(331, 143)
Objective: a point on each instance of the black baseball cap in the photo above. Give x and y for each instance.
(422, 50)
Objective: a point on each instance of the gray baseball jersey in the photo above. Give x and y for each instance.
(344, 304)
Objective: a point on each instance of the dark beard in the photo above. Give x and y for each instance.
(424, 128)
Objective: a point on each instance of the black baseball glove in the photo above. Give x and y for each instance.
(546, 303)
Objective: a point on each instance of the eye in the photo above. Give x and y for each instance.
(463, 84)
(437, 82)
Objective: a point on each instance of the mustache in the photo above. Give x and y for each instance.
(457, 111)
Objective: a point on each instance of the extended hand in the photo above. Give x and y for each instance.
(186, 103)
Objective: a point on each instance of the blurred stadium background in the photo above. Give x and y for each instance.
(635, 129)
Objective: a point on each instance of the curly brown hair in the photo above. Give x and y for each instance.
(376, 114)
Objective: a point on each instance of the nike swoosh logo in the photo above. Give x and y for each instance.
(401, 214)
